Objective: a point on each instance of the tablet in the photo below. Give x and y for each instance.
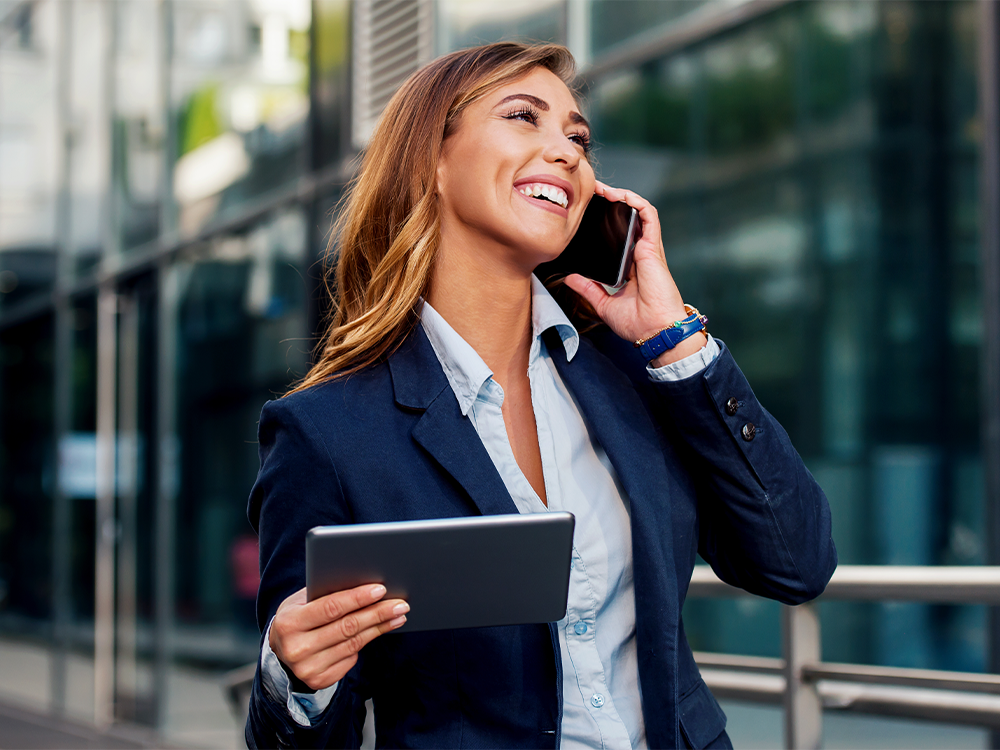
(454, 572)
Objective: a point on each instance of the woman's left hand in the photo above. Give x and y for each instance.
(650, 301)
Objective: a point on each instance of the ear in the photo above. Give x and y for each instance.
(441, 173)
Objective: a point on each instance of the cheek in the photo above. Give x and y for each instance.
(587, 179)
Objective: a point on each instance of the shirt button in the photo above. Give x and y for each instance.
(732, 405)
(749, 431)
(581, 628)
(597, 700)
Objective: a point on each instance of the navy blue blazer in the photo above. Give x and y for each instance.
(390, 443)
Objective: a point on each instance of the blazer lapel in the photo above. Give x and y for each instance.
(618, 418)
(419, 384)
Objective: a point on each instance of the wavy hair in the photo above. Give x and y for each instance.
(385, 240)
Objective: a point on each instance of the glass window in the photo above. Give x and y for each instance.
(89, 158)
(331, 89)
(617, 21)
(29, 149)
(241, 341)
(239, 103)
(815, 173)
(79, 450)
(139, 123)
(463, 24)
(27, 474)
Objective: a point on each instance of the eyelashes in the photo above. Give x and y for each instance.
(530, 115)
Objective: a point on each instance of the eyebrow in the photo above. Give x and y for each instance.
(574, 116)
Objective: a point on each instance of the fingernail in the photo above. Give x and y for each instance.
(397, 622)
(377, 591)
(401, 609)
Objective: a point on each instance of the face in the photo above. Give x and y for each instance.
(514, 178)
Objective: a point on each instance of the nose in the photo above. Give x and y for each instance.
(561, 150)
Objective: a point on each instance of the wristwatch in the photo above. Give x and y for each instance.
(653, 346)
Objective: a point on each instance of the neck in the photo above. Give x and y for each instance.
(488, 303)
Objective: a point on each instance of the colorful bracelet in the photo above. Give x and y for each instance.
(653, 346)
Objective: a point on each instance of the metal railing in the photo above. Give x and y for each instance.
(805, 685)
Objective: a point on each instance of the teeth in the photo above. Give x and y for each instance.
(550, 192)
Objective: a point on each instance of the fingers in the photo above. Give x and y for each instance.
(647, 214)
(621, 195)
(313, 653)
(332, 607)
(319, 669)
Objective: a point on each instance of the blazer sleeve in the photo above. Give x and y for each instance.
(297, 488)
(763, 522)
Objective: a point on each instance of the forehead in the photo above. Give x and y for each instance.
(541, 83)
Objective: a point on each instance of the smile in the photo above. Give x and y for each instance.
(543, 191)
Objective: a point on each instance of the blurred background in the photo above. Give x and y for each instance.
(168, 175)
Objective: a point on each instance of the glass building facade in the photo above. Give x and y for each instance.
(168, 175)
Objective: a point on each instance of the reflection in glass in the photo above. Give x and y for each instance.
(241, 328)
(30, 177)
(88, 160)
(815, 173)
(139, 122)
(464, 24)
(620, 21)
(331, 32)
(240, 102)
(27, 473)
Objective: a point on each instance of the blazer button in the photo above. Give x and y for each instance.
(749, 431)
(731, 406)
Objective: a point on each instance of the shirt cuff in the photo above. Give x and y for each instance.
(685, 368)
(302, 707)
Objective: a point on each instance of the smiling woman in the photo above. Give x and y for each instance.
(449, 382)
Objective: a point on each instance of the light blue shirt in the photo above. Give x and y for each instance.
(601, 702)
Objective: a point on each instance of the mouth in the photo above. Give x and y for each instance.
(544, 192)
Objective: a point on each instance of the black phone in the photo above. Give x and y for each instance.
(602, 247)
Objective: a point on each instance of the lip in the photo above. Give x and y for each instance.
(547, 179)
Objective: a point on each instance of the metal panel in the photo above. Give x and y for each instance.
(392, 38)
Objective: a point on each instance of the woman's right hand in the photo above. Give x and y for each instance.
(320, 640)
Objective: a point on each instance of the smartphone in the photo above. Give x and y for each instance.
(602, 247)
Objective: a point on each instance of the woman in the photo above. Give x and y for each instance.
(451, 384)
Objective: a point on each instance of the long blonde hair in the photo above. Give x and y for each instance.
(385, 240)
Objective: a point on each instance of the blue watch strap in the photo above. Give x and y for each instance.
(671, 336)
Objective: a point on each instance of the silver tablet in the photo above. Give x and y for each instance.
(454, 572)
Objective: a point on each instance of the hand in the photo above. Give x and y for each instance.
(650, 301)
(320, 640)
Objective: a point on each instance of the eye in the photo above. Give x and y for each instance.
(582, 139)
(525, 114)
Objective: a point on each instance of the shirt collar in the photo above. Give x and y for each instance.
(546, 314)
(464, 368)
